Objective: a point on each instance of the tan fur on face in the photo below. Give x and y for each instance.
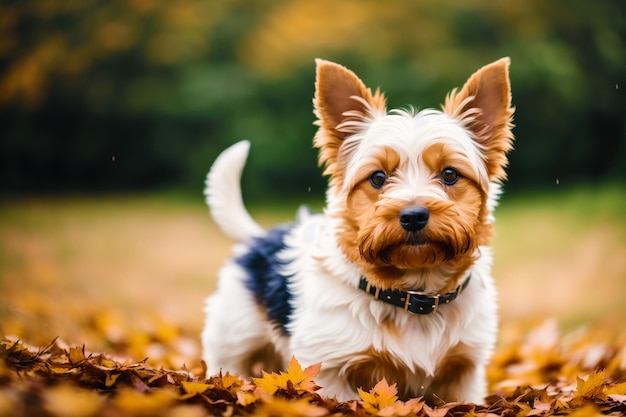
(374, 239)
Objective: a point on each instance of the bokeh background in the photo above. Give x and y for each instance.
(111, 113)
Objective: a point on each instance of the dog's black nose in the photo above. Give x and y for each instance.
(414, 218)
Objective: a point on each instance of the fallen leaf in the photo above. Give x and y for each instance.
(590, 386)
(193, 388)
(381, 396)
(295, 379)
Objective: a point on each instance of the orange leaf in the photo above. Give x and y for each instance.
(592, 386)
(193, 388)
(302, 380)
(381, 396)
(619, 389)
(401, 409)
(296, 378)
(76, 355)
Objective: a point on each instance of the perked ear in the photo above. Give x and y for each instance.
(484, 106)
(340, 98)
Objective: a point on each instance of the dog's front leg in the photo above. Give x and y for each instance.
(460, 376)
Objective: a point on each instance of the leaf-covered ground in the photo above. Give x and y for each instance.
(536, 373)
(101, 311)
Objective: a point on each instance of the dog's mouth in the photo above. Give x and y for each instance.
(416, 239)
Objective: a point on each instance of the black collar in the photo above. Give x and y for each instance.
(413, 301)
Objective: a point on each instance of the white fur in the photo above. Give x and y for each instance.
(333, 321)
(409, 133)
(227, 207)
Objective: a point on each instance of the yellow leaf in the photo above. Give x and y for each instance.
(401, 409)
(589, 410)
(302, 380)
(231, 382)
(76, 355)
(381, 396)
(245, 398)
(269, 383)
(111, 378)
(619, 389)
(296, 378)
(591, 386)
(194, 388)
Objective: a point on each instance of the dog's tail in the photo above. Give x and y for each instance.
(223, 194)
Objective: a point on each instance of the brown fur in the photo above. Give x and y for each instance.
(372, 366)
(456, 365)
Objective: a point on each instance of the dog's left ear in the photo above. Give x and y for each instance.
(484, 106)
(341, 102)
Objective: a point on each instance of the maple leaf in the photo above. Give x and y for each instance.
(619, 389)
(193, 388)
(295, 379)
(402, 409)
(303, 380)
(591, 386)
(381, 396)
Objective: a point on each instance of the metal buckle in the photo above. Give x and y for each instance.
(407, 302)
(376, 292)
(436, 306)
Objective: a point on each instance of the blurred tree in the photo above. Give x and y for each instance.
(131, 94)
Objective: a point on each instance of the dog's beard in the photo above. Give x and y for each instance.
(448, 239)
(390, 245)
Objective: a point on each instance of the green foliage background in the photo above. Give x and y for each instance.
(141, 94)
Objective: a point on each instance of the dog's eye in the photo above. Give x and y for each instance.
(377, 179)
(450, 176)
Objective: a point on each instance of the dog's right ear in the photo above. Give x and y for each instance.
(341, 102)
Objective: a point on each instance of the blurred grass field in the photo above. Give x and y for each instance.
(95, 269)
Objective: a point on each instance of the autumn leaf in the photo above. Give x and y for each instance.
(270, 383)
(76, 355)
(402, 409)
(303, 380)
(381, 396)
(619, 389)
(246, 398)
(591, 386)
(193, 388)
(296, 379)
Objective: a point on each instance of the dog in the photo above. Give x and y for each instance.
(393, 279)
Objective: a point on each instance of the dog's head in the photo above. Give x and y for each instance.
(413, 191)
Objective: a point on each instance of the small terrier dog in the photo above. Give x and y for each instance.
(393, 280)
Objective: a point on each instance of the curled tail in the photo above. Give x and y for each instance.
(223, 194)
